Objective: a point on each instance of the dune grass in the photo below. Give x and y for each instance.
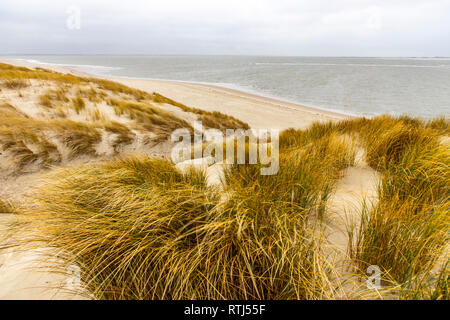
(139, 229)
(78, 104)
(27, 139)
(163, 235)
(145, 225)
(407, 233)
(93, 95)
(25, 147)
(18, 75)
(15, 84)
(54, 99)
(8, 110)
(149, 117)
(408, 230)
(6, 207)
(441, 125)
(134, 103)
(124, 134)
(214, 119)
(299, 181)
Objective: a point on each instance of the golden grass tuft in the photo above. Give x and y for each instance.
(412, 212)
(52, 96)
(78, 104)
(408, 230)
(177, 239)
(149, 117)
(139, 229)
(8, 110)
(15, 84)
(210, 119)
(19, 133)
(45, 100)
(386, 145)
(6, 207)
(124, 134)
(441, 124)
(26, 147)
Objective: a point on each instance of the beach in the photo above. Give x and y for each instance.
(258, 111)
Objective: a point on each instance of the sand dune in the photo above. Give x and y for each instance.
(21, 272)
(257, 111)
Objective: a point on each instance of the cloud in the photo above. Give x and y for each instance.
(273, 27)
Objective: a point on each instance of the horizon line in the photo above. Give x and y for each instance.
(211, 55)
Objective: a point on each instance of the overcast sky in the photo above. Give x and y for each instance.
(231, 27)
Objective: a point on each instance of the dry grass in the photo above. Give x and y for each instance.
(45, 100)
(52, 96)
(124, 134)
(409, 228)
(136, 104)
(15, 84)
(149, 117)
(8, 110)
(442, 125)
(78, 104)
(27, 141)
(116, 87)
(79, 137)
(141, 230)
(209, 119)
(407, 231)
(92, 94)
(13, 73)
(26, 147)
(6, 207)
(306, 176)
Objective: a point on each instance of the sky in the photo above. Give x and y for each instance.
(233, 27)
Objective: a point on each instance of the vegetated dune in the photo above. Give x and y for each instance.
(113, 206)
(50, 118)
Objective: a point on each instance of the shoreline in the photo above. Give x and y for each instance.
(237, 90)
(260, 112)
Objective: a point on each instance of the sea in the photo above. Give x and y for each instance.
(356, 86)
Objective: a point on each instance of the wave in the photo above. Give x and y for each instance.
(79, 67)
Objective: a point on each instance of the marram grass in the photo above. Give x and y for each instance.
(141, 230)
(406, 234)
(6, 207)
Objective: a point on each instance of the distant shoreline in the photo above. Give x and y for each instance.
(74, 70)
(343, 86)
(257, 110)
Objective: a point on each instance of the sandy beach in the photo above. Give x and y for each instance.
(258, 111)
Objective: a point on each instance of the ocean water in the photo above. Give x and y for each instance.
(357, 86)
